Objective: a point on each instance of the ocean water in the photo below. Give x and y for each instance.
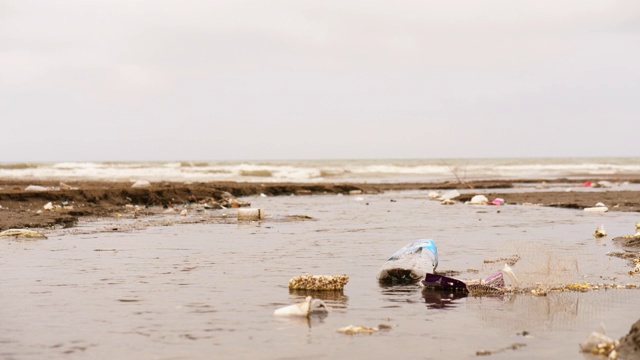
(387, 170)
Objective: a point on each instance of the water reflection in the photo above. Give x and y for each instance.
(335, 299)
(314, 319)
(439, 299)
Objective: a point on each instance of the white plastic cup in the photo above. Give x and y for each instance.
(250, 214)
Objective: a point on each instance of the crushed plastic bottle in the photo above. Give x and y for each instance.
(410, 264)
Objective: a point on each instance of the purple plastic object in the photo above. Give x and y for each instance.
(443, 282)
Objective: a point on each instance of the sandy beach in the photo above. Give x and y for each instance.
(72, 201)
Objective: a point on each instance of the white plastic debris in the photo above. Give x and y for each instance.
(306, 308)
(250, 214)
(48, 206)
(600, 207)
(433, 195)
(478, 200)
(508, 273)
(599, 343)
(604, 184)
(449, 195)
(183, 212)
(36, 188)
(141, 184)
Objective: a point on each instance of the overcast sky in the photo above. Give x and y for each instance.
(84, 80)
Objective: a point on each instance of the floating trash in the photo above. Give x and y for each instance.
(410, 264)
(478, 200)
(492, 285)
(600, 232)
(306, 308)
(250, 214)
(318, 282)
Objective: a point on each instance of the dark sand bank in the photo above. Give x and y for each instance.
(20, 208)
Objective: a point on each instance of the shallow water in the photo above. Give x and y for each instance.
(209, 290)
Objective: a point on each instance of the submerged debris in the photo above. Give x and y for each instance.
(514, 346)
(352, 330)
(318, 282)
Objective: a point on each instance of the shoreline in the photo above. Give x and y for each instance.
(75, 200)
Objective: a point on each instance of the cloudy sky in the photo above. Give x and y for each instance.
(85, 80)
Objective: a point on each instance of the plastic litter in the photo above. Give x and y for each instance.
(308, 307)
(449, 195)
(478, 200)
(497, 201)
(600, 207)
(600, 232)
(141, 184)
(493, 284)
(37, 188)
(250, 214)
(410, 264)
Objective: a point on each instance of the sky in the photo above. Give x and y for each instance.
(112, 80)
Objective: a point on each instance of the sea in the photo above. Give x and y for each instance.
(362, 170)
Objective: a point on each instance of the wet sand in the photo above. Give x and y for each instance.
(20, 208)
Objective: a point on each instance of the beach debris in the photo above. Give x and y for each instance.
(355, 192)
(449, 195)
(22, 234)
(478, 200)
(600, 207)
(318, 282)
(600, 232)
(627, 347)
(308, 307)
(410, 264)
(604, 184)
(497, 202)
(37, 188)
(183, 212)
(587, 184)
(433, 195)
(141, 184)
(598, 343)
(354, 329)
(48, 206)
(250, 214)
(493, 285)
(64, 186)
(448, 202)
